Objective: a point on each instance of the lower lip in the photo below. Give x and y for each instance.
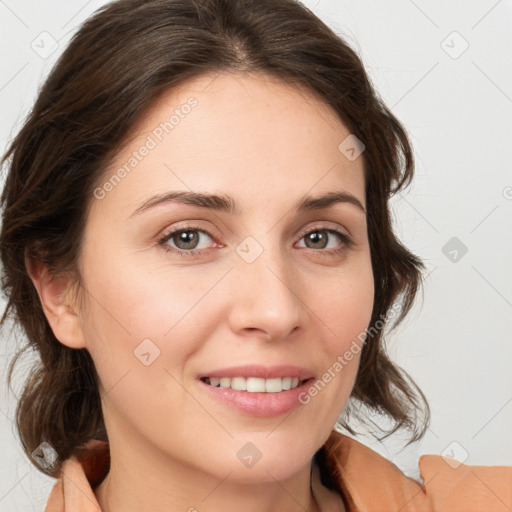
(262, 405)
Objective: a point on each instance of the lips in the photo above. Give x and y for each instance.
(261, 391)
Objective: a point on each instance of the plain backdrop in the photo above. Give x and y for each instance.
(445, 70)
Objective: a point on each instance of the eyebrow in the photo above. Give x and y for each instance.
(225, 203)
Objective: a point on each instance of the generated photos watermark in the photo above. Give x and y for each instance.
(156, 136)
(342, 360)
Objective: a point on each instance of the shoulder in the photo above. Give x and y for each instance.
(370, 482)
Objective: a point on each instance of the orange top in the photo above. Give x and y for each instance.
(367, 481)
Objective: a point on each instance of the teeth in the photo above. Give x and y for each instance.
(225, 382)
(287, 383)
(273, 385)
(254, 384)
(238, 383)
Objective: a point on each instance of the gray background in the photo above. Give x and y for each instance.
(445, 70)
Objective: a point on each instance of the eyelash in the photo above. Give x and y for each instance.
(346, 240)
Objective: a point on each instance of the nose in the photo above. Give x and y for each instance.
(266, 300)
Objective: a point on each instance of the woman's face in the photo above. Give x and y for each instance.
(262, 289)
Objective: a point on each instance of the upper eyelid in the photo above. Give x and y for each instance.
(320, 226)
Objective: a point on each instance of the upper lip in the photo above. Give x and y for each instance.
(262, 372)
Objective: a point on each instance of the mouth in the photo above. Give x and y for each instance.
(255, 384)
(258, 391)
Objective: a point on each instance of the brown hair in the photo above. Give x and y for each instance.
(116, 65)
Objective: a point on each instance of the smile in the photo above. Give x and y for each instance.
(254, 384)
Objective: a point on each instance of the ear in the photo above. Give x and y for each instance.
(54, 294)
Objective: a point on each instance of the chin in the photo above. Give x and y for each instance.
(269, 470)
(269, 456)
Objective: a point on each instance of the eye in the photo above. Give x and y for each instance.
(185, 241)
(191, 241)
(325, 238)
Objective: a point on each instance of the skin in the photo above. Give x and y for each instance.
(173, 447)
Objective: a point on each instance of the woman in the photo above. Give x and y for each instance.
(197, 241)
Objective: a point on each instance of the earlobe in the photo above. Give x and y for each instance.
(54, 294)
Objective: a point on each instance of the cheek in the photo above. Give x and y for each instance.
(347, 311)
(130, 318)
(141, 320)
(348, 306)
(143, 299)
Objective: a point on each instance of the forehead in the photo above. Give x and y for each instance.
(248, 135)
